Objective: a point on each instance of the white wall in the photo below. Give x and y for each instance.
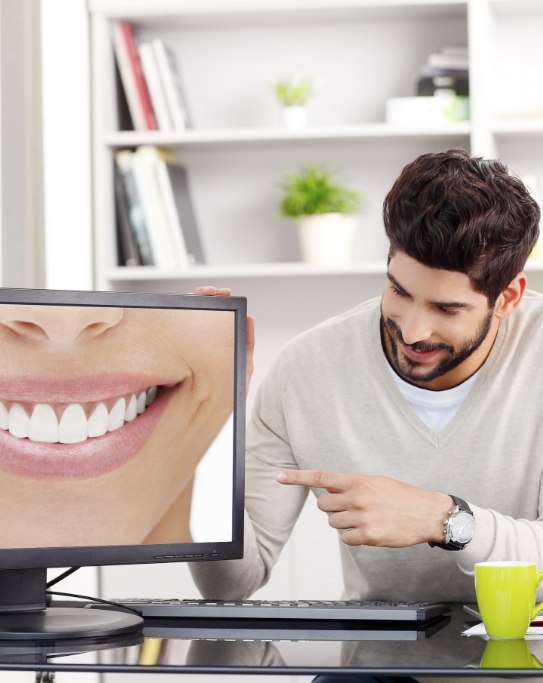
(67, 151)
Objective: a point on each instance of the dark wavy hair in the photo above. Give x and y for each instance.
(455, 212)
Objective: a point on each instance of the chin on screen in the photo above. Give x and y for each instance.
(122, 428)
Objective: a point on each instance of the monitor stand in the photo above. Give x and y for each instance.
(24, 614)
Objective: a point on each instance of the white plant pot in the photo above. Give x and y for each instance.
(295, 118)
(326, 239)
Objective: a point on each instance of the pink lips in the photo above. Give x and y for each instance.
(90, 458)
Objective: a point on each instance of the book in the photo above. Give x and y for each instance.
(172, 84)
(137, 219)
(137, 96)
(439, 60)
(163, 174)
(124, 118)
(145, 161)
(155, 86)
(185, 212)
(454, 49)
(432, 79)
(127, 249)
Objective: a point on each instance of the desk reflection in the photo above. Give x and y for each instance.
(177, 646)
(255, 644)
(512, 654)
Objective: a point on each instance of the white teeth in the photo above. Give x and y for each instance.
(19, 422)
(151, 395)
(98, 421)
(74, 426)
(131, 409)
(43, 424)
(141, 402)
(116, 415)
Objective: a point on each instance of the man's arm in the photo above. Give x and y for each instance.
(378, 511)
(271, 509)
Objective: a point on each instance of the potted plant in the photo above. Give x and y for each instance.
(293, 94)
(324, 212)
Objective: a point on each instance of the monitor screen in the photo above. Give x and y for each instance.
(110, 406)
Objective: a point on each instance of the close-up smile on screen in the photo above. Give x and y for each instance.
(107, 408)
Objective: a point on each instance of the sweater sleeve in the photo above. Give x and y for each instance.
(499, 537)
(271, 509)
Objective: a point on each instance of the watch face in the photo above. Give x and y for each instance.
(462, 527)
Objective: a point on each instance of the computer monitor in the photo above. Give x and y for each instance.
(109, 403)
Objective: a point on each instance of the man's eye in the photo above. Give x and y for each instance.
(448, 311)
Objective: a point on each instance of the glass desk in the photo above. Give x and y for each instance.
(184, 647)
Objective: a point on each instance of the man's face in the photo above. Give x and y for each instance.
(437, 330)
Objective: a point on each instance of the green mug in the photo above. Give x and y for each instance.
(506, 597)
(509, 654)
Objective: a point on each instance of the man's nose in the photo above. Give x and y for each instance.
(415, 327)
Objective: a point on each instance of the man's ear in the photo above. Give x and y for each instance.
(511, 297)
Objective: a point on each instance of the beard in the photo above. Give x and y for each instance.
(411, 371)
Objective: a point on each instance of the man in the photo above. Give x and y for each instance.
(391, 408)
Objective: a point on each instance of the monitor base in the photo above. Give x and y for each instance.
(67, 623)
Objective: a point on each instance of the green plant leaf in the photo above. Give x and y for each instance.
(312, 191)
(294, 91)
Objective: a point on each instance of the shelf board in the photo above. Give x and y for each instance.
(244, 270)
(512, 8)
(206, 273)
(518, 128)
(214, 12)
(255, 136)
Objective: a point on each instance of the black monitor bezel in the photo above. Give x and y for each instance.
(19, 558)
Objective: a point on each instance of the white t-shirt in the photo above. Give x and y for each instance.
(434, 408)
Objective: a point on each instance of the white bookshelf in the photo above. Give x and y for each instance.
(365, 51)
(230, 53)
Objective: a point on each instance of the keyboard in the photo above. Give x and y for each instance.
(291, 630)
(313, 610)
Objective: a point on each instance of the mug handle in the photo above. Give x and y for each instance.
(539, 607)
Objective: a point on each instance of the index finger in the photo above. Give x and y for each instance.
(331, 481)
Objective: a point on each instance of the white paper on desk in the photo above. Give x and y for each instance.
(534, 632)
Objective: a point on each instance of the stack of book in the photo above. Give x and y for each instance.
(156, 225)
(151, 81)
(442, 91)
(445, 71)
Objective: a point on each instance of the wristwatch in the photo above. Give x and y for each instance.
(458, 528)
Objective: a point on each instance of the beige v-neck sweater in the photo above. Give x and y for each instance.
(329, 402)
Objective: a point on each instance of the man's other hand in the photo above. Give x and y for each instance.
(210, 290)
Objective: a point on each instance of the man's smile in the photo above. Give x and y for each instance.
(420, 353)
